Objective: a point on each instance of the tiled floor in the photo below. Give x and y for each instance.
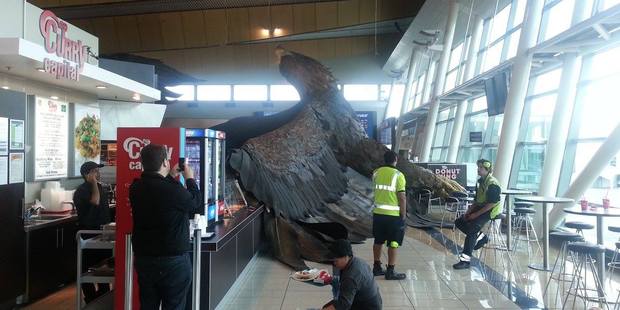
(431, 282)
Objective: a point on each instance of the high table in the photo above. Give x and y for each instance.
(545, 228)
(600, 213)
(509, 192)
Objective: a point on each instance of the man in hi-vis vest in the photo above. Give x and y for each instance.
(388, 224)
(486, 207)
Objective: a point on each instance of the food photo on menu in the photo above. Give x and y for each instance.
(87, 135)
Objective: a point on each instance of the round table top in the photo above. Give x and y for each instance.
(546, 199)
(600, 211)
(516, 192)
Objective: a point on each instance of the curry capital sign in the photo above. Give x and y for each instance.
(54, 31)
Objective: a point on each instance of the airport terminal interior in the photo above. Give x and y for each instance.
(284, 110)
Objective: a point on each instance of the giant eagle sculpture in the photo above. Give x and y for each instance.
(310, 166)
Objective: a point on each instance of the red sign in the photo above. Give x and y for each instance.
(54, 31)
(130, 142)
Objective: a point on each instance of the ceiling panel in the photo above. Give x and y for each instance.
(216, 27)
(193, 28)
(149, 28)
(127, 32)
(238, 22)
(348, 12)
(172, 30)
(326, 15)
(304, 18)
(259, 22)
(105, 27)
(282, 17)
(73, 9)
(367, 10)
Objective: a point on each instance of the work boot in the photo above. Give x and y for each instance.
(481, 242)
(461, 265)
(377, 270)
(390, 274)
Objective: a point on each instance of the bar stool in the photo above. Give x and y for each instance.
(426, 193)
(451, 212)
(558, 272)
(579, 226)
(584, 268)
(496, 242)
(525, 223)
(615, 260)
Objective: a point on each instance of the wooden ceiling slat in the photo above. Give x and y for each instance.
(216, 27)
(327, 48)
(259, 22)
(367, 11)
(105, 28)
(193, 29)
(149, 28)
(282, 17)
(326, 15)
(362, 45)
(84, 24)
(238, 25)
(127, 32)
(348, 12)
(343, 47)
(304, 17)
(172, 30)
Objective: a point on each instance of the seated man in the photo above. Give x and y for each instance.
(357, 288)
(486, 207)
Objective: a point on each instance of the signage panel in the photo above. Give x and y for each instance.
(52, 139)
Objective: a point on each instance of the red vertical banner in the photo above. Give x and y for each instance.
(130, 142)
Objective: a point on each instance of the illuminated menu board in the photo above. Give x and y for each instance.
(51, 136)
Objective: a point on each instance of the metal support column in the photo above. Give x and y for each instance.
(128, 272)
(411, 76)
(440, 79)
(196, 270)
(517, 92)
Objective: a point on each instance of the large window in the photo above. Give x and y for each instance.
(556, 18)
(250, 92)
(443, 130)
(396, 99)
(213, 92)
(361, 92)
(186, 92)
(283, 93)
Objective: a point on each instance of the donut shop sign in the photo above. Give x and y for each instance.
(54, 31)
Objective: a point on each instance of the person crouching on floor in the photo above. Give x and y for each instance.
(486, 207)
(356, 287)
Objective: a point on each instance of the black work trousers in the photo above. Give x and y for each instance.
(471, 229)
(163, 281)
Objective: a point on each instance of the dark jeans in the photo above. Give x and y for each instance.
(163, 280)
(471, 230)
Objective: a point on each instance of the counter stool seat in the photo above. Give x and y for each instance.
(459, 195)
(578, 225)
(524, 211)
(566, 236)
(614, 228)
(586, 248)
(522, 204)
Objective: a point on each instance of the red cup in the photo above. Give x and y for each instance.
(584, 204)
(605, 203)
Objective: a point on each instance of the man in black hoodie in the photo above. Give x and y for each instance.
(161, 208)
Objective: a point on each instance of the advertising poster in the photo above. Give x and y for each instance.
(17, 134)
(52, 137)
(130, 142)
(4, 170)
(16, 168)
(86, 136)
(4, 136)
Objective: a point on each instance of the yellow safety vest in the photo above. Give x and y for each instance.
(388, 181)
(481, 195)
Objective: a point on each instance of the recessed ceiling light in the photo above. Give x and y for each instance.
(277, 31)
(101, 86)
(40, 69)
(54, 97)
(5, 87)
(136, 97)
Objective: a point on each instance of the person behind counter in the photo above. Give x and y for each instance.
(91, 202)
(161, 208)
(356, 287)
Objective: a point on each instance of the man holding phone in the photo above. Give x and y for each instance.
(161, 208)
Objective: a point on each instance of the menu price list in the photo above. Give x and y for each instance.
(51, 134)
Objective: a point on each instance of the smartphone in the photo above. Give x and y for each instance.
(182, 164)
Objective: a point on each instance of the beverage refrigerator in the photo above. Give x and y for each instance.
(205, 152)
